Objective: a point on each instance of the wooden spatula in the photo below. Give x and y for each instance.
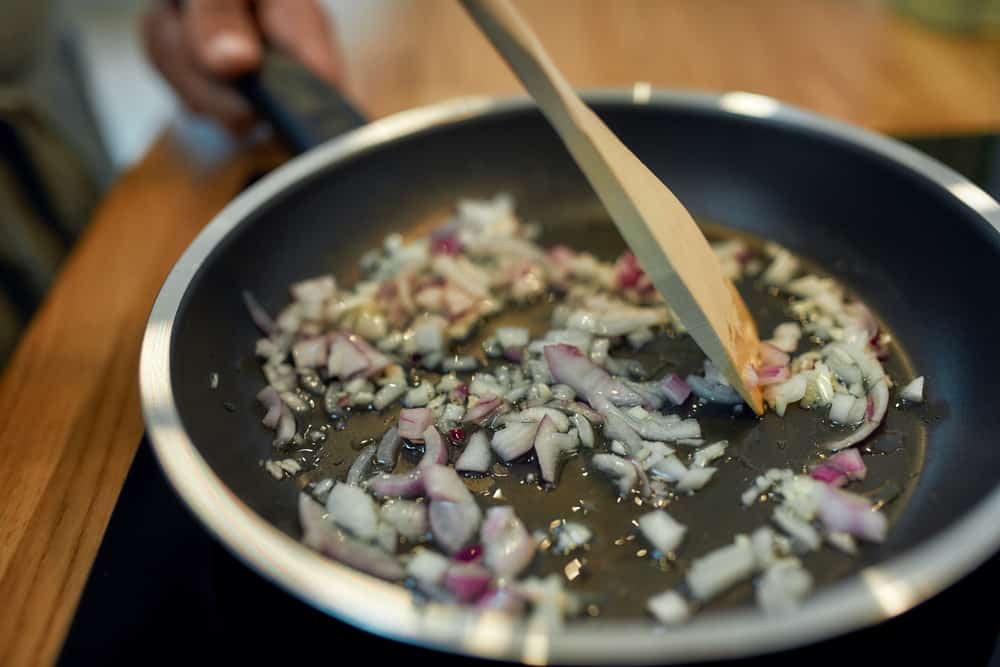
(665, 239)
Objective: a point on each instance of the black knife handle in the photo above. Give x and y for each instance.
(304, 109)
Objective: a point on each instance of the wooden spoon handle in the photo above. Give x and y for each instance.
(661, 233)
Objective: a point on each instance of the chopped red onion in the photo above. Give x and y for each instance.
(443, 483)
(310, 352)
(569, 366)
(675, 388)
(359, 468)
(501, 599)
(453, 524)
(435, 449)
(445, 244)
(662, 531)
(829, 474)
(849, 462)
(408, 485)
(345, 359)
(477, 456)
(879, 395)
(259, 316)
(413, 422)
(473, 552)
(320, 534)
(457, 301)
(507, 546)
(841, 511)
(353, 510)
(377, 362)
(270, 400)
(514, 440)
(467, 581)
(406, 516)
(388, 447)
(622, 471)
(549, 445)
(483, 409)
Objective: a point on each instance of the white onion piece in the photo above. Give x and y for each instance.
(850, 513)
(584, 430)
(622, 471)
(694, 479)
(503, 600)
(286, 427)
(361, 464)
(507, 546)
(377, 361)
(662, 531)
(669, 468)
(571, 536)
(879, 395)
(570, 367)
(388, 447)
(784, 584)
(413, 422)
(707, 454)
(514, 440)
(269, 399)
(790, 391)
(781, 269)
(443, 483)
(669, 608)
(419, 396)
(763, 543)
(786, 337)
(316, 289)
(549, 445)
(387, 537)
(319, 534)
(453, 524)
(428, 334)
(804, 536)
(516, 337)
(435, 449)
(353, 510)
(840, 408)
(720, 569)
(914, 391)
(406, 516)
(310, 352)
(427, 568)
(387, 395)
(477, 456)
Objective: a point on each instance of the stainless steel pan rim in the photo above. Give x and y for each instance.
(872, 595)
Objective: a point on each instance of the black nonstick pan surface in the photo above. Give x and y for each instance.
(916, 241)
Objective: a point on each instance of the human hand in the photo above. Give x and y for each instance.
(199, 45)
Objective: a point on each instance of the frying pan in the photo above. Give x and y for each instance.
(917, 241)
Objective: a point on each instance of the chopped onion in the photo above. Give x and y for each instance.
(584, 430)
(466, 581)
(514, 440)
(784, 584)
(706, 455)
(720, 569)
(570, 367)
(622, 471)
(354, 511)
(850, 513)
(770, 355)
(407, 517)
(427, 568)
(345, 359)
(270, 400)
(286, 427)
(319, 534)
(310, 352)
(409, 485)
(484, 408)
(507, 546)
(694, 479)
(675, 389)
(361, 464)
(549, 445)
(669, 608)
(914, 391)
(453, 524)
(388, 447)
(804, 536)
(879, 395)
(840, 408)
(769, 375)
(413, 422)
(435, 450)
(662, 531)
(476, 457)
(443, 483)
(501, 599)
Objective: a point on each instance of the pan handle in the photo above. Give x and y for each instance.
(302, 108)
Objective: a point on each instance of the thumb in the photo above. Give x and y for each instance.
(303, 30)
(224, 36)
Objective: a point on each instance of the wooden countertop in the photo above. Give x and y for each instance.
(69, 397)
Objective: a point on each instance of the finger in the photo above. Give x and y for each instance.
(223, 35)
(168, 49)
(303, 30)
